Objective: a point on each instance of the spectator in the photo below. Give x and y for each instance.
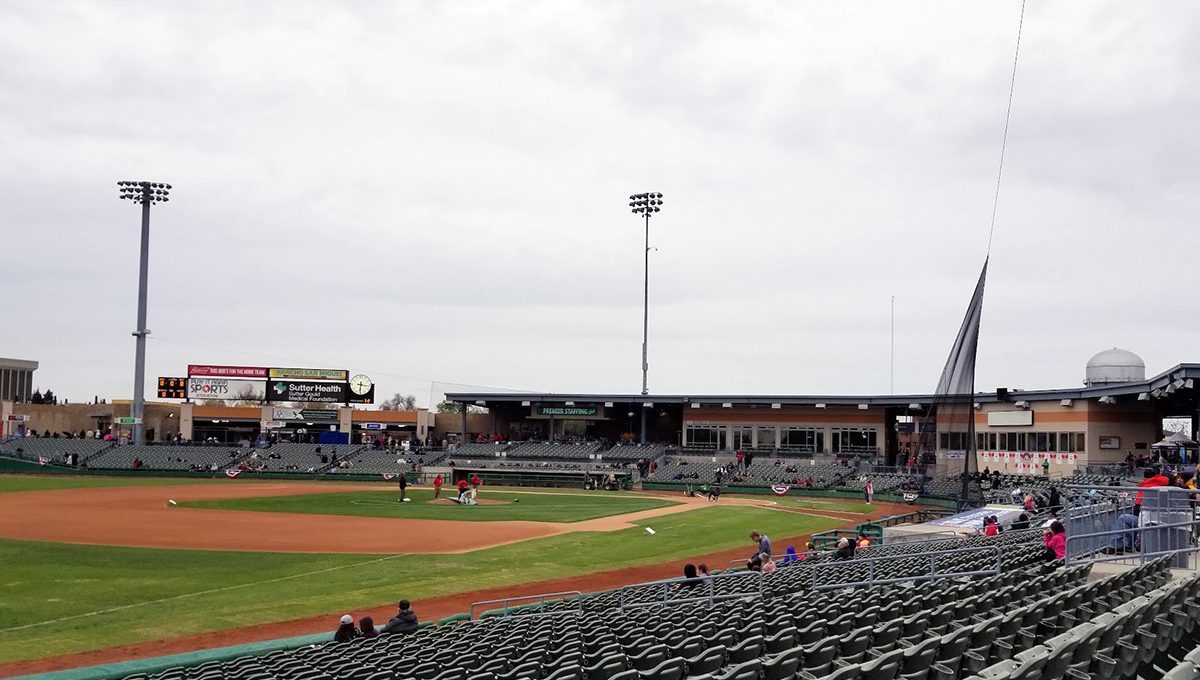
(768, 564)
(1029, 502)
(405, 621)
(863, 541)
(1055, 500)
(844, 550)
(755, 562)
(869, 491)
(809, 548)
(1184, 480)
(1126, 541)
(690, 576)
(990, 527)
(747, 458)
(703, 571)
(366, 627)
(764, 543)
(1151, 479)
(1045, 467)
(1055, 540)
(345, 631)
(789, 555)
(740, 457)
(437, 486)
(1021, 522)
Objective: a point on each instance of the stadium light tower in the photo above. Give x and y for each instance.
(145, 193)
(645, 205)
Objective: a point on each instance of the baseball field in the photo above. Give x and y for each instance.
(103, 569)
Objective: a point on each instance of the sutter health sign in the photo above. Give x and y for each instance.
(292, 390)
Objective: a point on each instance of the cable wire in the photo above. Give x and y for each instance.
(1007, 116)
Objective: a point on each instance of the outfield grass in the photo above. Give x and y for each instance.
(11, 483)
(547, 506)
(51, 588)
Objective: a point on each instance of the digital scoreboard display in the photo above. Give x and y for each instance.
(172, 388)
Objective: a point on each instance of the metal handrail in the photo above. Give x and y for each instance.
(777, 559)
(541, 604)
(933, 572)
(708, 581)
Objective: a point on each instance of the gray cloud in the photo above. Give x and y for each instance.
(435, 191)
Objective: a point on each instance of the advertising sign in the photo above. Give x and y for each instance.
(568, 411)
(309, 414)
(222, 388)
(309, 374)
(227, 372)
(295, 390)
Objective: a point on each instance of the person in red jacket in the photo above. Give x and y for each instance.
(462, 488)
(476, 482)
(437, 487)
(1152, 478)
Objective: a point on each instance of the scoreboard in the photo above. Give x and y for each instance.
(172, 388)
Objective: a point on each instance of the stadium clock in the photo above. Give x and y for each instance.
(360, 384)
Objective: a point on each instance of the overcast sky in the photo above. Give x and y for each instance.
(437, 191)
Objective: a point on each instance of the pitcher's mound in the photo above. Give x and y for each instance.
(481, 501)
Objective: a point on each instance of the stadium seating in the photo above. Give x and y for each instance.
(54, 449)
(558, 451)
(761, 472)
(941, 630)
(168, 457)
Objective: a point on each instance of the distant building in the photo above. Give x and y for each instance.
(16, 379)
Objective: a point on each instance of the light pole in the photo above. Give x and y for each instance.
(646, 205)
(144, 193)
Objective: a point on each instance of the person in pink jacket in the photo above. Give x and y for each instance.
(1055, 540)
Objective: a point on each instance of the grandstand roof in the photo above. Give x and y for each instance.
(1161, 382)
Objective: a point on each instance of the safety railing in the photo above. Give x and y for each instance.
(1138, 544)
(536, 604)
(684, 590)
(872, 563)
(827, 540)
(781, 560)
(1115, 528)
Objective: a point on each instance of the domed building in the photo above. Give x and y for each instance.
(1114, 366)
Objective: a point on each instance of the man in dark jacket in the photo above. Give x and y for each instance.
(845, 550)
(405, 620)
